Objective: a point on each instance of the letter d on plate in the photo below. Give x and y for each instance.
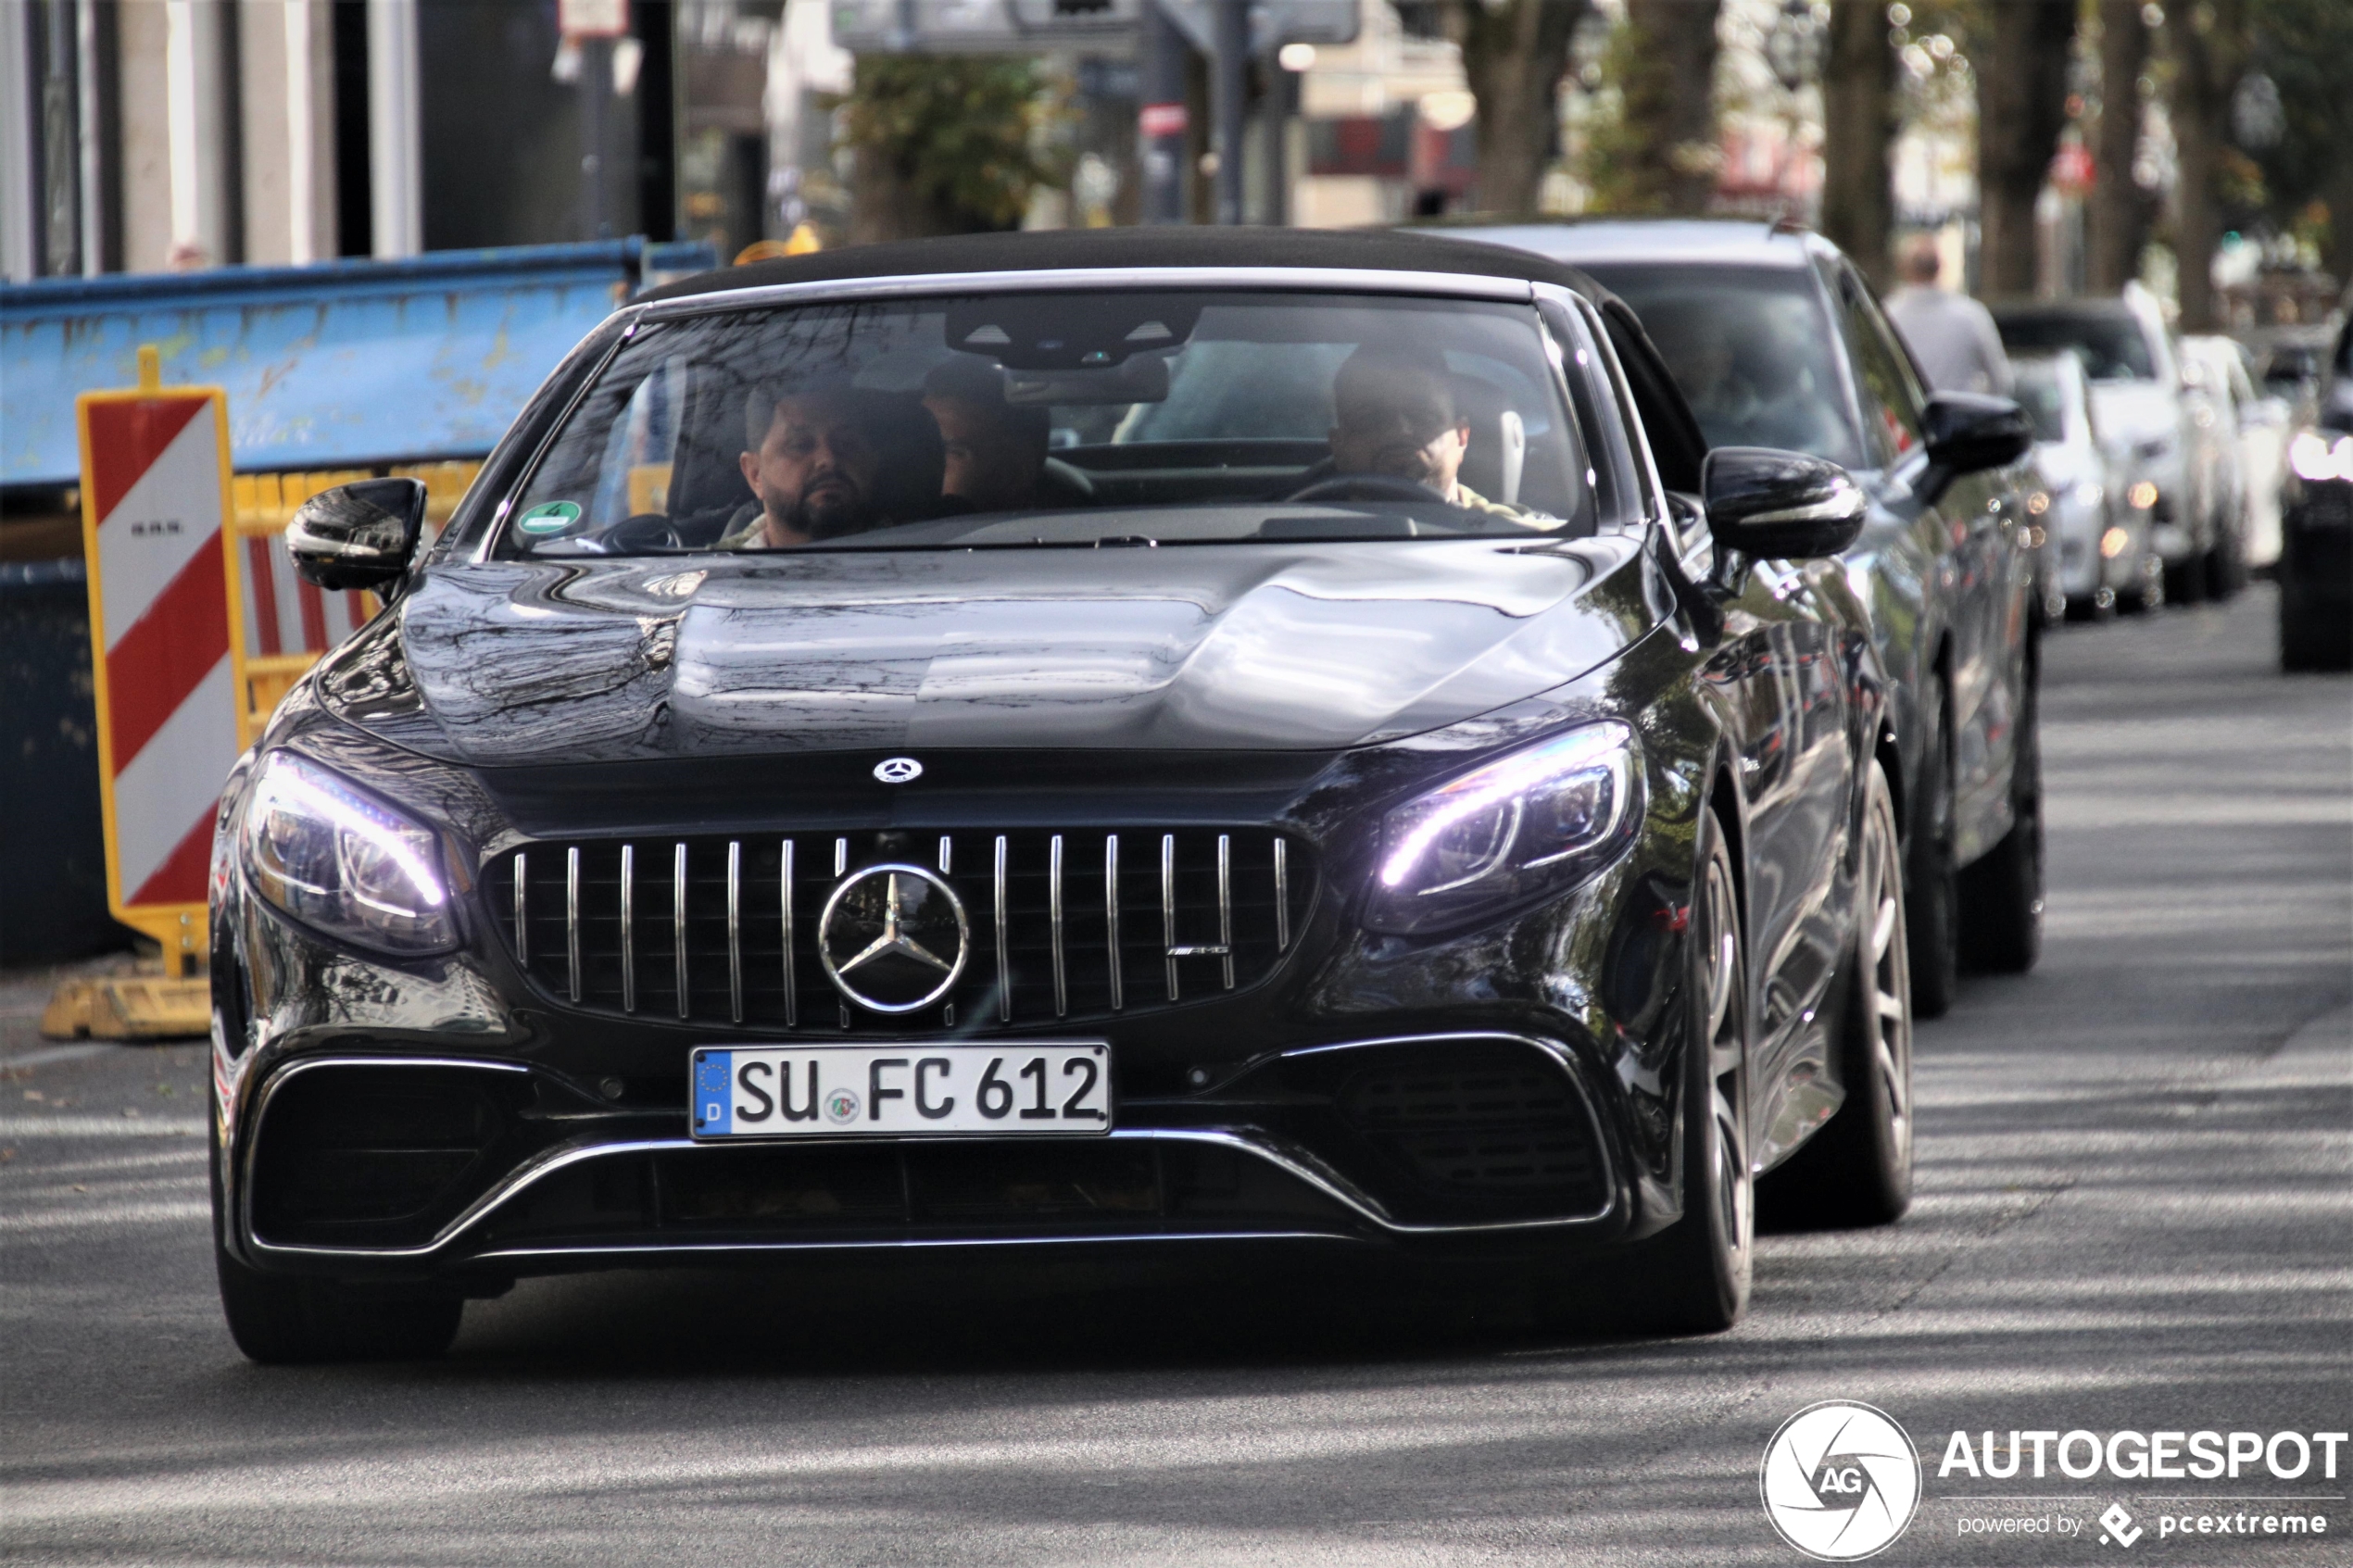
(714, 1091)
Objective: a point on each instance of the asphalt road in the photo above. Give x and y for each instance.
(2135, 1213)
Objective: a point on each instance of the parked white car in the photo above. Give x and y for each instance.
(2096, 540)
(2220, 397)
(2145, 420)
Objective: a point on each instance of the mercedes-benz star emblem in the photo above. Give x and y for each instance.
(898, 769)
(894, 938)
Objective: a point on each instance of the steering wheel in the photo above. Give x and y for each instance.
(647, 532)
(1364, 487)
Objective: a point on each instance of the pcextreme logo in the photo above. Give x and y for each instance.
(1840, 1480)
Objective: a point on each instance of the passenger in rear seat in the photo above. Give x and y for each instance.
(996, 450)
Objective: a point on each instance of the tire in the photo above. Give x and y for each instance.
(2311, 639)
(278, 1320)
(2149, 595)
(2092, 607)
(2001, 904)
(1694, 1277)
(1931, 897)
(2186, 580)
(1857, 1169)
(281, 1320)
(2225, 566)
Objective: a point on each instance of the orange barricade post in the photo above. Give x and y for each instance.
(165, 644)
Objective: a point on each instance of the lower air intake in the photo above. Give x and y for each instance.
(1495, 1121)
(360, 1154)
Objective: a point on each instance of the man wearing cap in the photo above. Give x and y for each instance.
(1394, 415)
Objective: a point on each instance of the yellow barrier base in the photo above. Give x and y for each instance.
(128, 1006)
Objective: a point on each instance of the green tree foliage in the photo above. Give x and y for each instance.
(945, 144)
(2305, 47)
(1658, 153)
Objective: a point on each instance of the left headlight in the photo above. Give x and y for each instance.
(1532, 823)
(337, 858)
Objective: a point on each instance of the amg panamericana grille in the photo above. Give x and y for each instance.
(1081, 925)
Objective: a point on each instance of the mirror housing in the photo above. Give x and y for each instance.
(358, 535)
(1780, 506)
(1968, 432)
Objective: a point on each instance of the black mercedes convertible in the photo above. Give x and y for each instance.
(1118, 740)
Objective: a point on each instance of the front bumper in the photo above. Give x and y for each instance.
(372, 1165)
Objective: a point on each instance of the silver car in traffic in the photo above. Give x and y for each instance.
(2095, 539)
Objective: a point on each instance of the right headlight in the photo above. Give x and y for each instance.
(1532, 823)
(2320, 455)
(336, 859)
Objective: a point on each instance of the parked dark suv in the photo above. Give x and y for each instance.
(1778, 341)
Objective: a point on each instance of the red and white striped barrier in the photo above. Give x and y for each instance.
(155, 497)
(285, 615)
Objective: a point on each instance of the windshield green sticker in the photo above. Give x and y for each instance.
(552, 518)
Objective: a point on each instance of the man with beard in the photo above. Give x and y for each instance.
(1392, 414)
(816, 458)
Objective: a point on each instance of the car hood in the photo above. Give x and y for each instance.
(1234, 646)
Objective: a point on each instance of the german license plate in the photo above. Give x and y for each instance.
(900, 1091)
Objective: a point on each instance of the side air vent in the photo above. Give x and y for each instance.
(364, 1155)
(1505, 1122)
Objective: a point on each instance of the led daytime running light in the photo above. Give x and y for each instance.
(1504, 781)
(290, 784)
(2315, 457)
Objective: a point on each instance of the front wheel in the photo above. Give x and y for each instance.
(2186, 580)
(280, 1320)
(1932, 882)
(2001, 926)
(1694, 1276)
(1858, 1171)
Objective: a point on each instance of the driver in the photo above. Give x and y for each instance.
(1393, 414)
(814, 463)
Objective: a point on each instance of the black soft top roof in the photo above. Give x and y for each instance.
(1060, 249)
(1676, 443)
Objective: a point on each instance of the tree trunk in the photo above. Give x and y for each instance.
(2337, 191)
(2206, 61)
(2119, 217)
(887, 204)
(1859, 110)
(1514, 53)
(2021, 107)
(1671, 104)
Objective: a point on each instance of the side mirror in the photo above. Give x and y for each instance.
(1968, 432)
(358, 535)
(1780, 506)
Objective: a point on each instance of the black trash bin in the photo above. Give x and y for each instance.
(53, 852)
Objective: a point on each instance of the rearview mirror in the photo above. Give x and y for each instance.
(358, 535)
(1968, 432)
(1781, 505)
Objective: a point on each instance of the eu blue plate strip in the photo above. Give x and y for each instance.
(714, 1092)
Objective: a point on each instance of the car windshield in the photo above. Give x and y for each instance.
(1752, 350)
(2110, 342)
(1066, 417)
(2038, 393)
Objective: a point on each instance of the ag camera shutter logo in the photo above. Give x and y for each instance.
(1840, 1480)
